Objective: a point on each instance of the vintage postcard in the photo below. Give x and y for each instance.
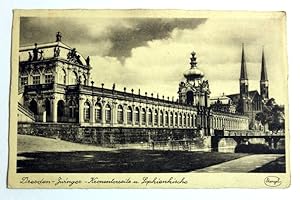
(148, 99)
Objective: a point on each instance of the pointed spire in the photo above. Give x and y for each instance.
(263, 75)
(243, 75)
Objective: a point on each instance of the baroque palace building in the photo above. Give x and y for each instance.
(57, 97)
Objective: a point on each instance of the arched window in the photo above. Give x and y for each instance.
(72, 107)
(214, 123)
(48, 76)
(184, 120)
(84, 80)
(24, 79)
(190, 98)
(36, 77)
(166, 118)
(62, 77)
(48, 109)
(73, 78)
(176, 119)
(86, 111)
(60, 111)
(129, 115)
(120, 115)
(108, 114)
(171, 119)
(180, 119)
(156, 117)
(161, 118)
(150, 117)
(193, 121)
(98, 112)
(143, 115)
(188, 120)
(137, 115)
(33, 106)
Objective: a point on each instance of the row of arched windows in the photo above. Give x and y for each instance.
(137, 116)
(36, 75)
(228, 123)
(133, 116)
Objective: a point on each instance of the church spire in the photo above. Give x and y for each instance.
(264, 83)
(263, 75)
(243, 75)
(244, 93)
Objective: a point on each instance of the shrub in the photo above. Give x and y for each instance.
(252, 148)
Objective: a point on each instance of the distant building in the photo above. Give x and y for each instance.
(251, 102)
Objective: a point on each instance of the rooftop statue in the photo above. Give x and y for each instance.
(87, 60)
(56, 51)
(29, 56)
(58, 37)
(35, 52)
(37, 55)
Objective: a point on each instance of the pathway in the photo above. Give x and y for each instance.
(244, 164)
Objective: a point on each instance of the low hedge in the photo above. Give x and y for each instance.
(252, 148)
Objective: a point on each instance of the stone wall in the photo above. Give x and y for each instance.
(110, 136)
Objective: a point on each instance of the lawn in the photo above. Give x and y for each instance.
(37, 154)
(125, 160)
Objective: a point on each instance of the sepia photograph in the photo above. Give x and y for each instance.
(174, 95)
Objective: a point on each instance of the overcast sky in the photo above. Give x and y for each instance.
(152, 54)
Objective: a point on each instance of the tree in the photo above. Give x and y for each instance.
(272, 115)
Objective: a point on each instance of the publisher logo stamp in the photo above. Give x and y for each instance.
(272, 181)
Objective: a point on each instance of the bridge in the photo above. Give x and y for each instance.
(242, 136)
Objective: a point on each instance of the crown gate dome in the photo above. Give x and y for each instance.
(194, 72)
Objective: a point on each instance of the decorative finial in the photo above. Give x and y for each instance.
(145, 93)
(102, 85)
(193, 60)
(92, 82)
(124, 89)
(113, 86)
(132, 90)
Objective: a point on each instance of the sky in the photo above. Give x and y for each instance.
(151, 54)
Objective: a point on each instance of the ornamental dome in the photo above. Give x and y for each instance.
(194, 72)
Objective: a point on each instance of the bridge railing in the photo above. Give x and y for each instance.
(179, 145)
(252, 133)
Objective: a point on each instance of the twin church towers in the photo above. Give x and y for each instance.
(264, 83)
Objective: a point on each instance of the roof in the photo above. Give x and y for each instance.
(48, 52)
(221, 99)
(251, 93)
